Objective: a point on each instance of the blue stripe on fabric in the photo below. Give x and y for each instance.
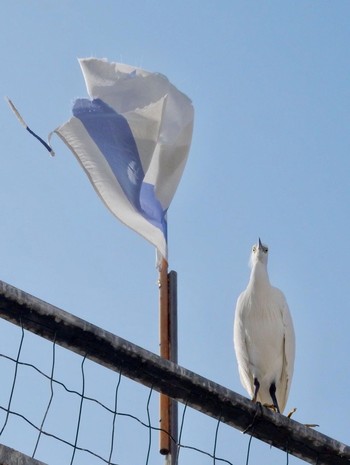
(112, 134)
(152, 207)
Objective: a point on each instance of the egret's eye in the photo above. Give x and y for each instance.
(254, 248)
(266, 249)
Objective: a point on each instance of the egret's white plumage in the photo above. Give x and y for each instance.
(264, 336)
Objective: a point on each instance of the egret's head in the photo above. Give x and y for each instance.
(259, 253)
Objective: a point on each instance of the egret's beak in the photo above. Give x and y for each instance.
(260, 244)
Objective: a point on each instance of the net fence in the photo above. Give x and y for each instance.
(80, 395)
(61, 408)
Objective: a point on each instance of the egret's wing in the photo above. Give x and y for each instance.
(240, 344)
(289, 355)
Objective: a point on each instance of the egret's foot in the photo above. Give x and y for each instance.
(309, 425)
(271, 407)
(291, 412)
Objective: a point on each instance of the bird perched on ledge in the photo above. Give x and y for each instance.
(264, 338)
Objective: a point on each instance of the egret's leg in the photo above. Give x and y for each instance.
(273, 396)
(257, 386)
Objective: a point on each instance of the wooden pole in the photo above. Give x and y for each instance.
(164, 337)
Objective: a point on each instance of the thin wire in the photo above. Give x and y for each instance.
(248, 451)
(114, 417)
(287, 452)
(87, 398)
(184, 446)
(51, 396)
(180, 435)
(149, 426)
(216, 439)
(203, 452)
(56, 437)
(71, 391)
(14, 380)
(114, 412)
(80, 409)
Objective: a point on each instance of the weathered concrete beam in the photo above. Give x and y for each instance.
(10, 456)
(169, 378)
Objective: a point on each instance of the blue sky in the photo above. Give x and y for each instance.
(269, 82)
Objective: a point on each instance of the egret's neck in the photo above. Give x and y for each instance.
(259, 276)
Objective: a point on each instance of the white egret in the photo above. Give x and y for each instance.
(264, 338)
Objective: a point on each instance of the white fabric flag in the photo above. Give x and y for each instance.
(132, 138)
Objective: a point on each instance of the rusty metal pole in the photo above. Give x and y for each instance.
(168, 350)
(174, 358)
(164, 337)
